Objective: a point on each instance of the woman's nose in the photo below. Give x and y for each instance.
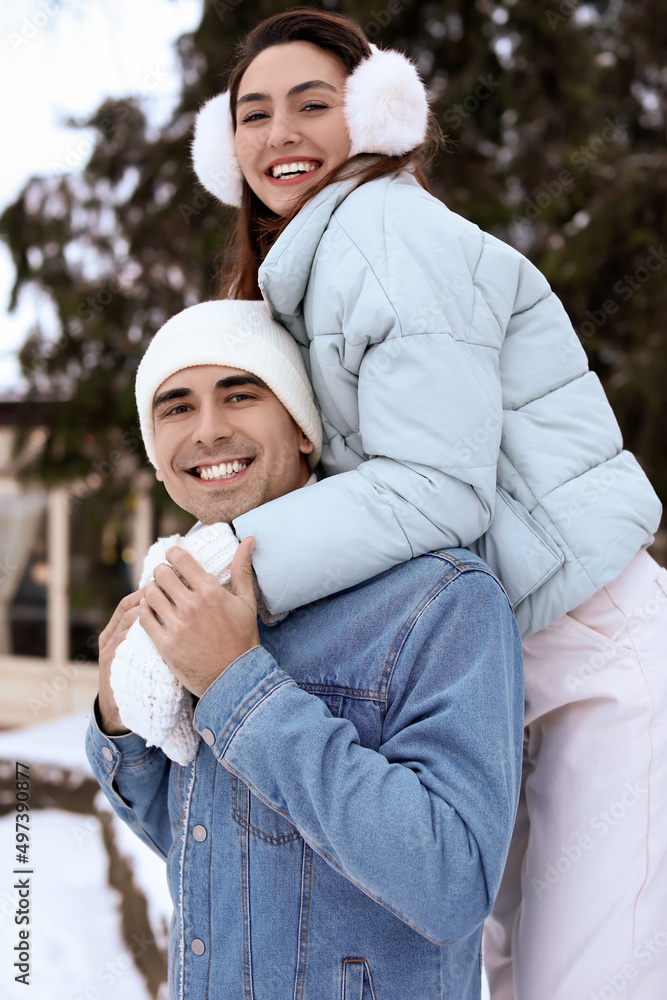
(283, 130)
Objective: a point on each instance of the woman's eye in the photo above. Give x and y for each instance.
(311, 106)
(255, 116)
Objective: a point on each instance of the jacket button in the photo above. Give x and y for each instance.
(208, 737)
(198, 946)
(107, 753)
(199, 833)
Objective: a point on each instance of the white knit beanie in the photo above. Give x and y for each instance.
(236, 334)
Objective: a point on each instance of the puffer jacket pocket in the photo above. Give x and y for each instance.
(518, 549)
(357, 980)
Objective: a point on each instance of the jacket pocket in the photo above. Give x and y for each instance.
(518, 549)
(357, 980)
(259, 819)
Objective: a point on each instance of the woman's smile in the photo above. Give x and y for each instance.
(289, 170)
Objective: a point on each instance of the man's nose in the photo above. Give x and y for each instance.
(212, 425)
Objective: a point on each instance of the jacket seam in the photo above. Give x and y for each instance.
(473, 277)
(542, 298)
(370, 268)
(306, 849)
(363, 694)
(246, 707)
(467, 568)
(405, 631)
(181, 892)
(544, 395)
(413, 336)
(209, 950)
(573, 479)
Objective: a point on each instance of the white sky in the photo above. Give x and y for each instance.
(60, 59)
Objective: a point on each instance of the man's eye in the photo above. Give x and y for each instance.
(240, 397)
(180, 408)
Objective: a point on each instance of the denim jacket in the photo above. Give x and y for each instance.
(343, 828)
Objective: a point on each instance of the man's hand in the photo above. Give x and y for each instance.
(197, 626)
(123, 617)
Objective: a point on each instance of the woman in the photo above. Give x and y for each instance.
(459, 410)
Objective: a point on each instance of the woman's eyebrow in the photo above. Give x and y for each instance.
(296, 89)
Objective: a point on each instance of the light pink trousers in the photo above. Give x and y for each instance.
(582, 909)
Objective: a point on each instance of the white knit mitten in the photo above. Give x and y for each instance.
(150, 700)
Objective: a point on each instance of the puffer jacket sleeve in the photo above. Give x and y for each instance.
(405, 367)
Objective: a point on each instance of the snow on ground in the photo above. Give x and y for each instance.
(59, 742)
(75, 941)
(150, 875)
(78, 950)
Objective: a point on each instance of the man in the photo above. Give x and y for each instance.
(343, 828)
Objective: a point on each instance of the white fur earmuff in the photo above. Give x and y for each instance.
(214, 151)
(385, 107)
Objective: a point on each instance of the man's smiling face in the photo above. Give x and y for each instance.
(225, 443)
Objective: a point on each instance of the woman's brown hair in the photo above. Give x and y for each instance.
(257, 227)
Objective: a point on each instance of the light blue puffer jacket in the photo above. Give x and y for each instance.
(458, 410)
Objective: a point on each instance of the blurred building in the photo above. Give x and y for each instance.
(52, 604)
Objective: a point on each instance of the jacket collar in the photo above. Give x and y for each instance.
(284, 273)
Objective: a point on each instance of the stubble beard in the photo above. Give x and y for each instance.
(221, 508)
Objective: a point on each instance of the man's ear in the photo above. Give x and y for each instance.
(305, 444)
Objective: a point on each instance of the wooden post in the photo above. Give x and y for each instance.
(141, 530)
(57, 644)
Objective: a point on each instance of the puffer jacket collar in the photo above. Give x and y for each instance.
(285, 271)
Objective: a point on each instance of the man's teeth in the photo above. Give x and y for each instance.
(281, 169)
(223, 471)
